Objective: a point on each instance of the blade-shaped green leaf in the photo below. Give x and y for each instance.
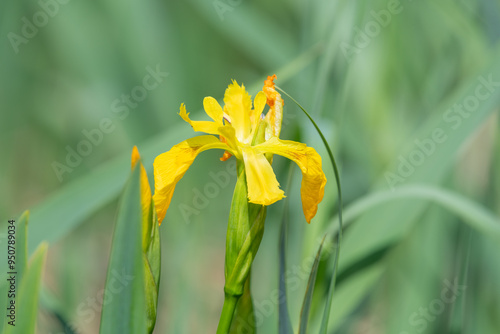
(28, 294)
(306, 305)
(331, 289)
(458, 317)
(471, 212)
(125, 311)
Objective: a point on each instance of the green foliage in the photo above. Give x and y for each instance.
(135, 269)
(306, 306)
(403, 238)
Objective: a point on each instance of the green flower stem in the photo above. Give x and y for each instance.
(226, 318)
(244, 234)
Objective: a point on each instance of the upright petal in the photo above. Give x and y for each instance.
(170, 167)
(309, 162)
(238, 105)
(213, 109)
(199, 126)
(263, 188)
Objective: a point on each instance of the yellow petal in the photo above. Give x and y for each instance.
(170, 167)
(213, 109)
(238, 105)
(258, 105)
(199, 126)
(263, 188)
(309, 162)
(145, 195)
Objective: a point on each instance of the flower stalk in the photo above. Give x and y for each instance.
(244, 234)
(243, 130)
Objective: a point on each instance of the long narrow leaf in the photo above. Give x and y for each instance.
(306, 305)
(471, 212)
(125, 309)
(328, 304)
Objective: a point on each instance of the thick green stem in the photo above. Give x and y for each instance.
(244, 234)
(226, 318)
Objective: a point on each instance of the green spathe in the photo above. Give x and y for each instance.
(244, 234)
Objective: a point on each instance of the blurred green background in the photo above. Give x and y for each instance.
(407, 93)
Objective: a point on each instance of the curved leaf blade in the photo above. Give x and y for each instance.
(331, 289)
(306, 305)
(125, 312)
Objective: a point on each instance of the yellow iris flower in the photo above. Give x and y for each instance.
(252, 138)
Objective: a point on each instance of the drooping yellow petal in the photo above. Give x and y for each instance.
(275, 102)
(170, 167)
(213, 109)
(263, 188)
(309, 162)
(147, 220)
(199, 126)
(238, 105)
